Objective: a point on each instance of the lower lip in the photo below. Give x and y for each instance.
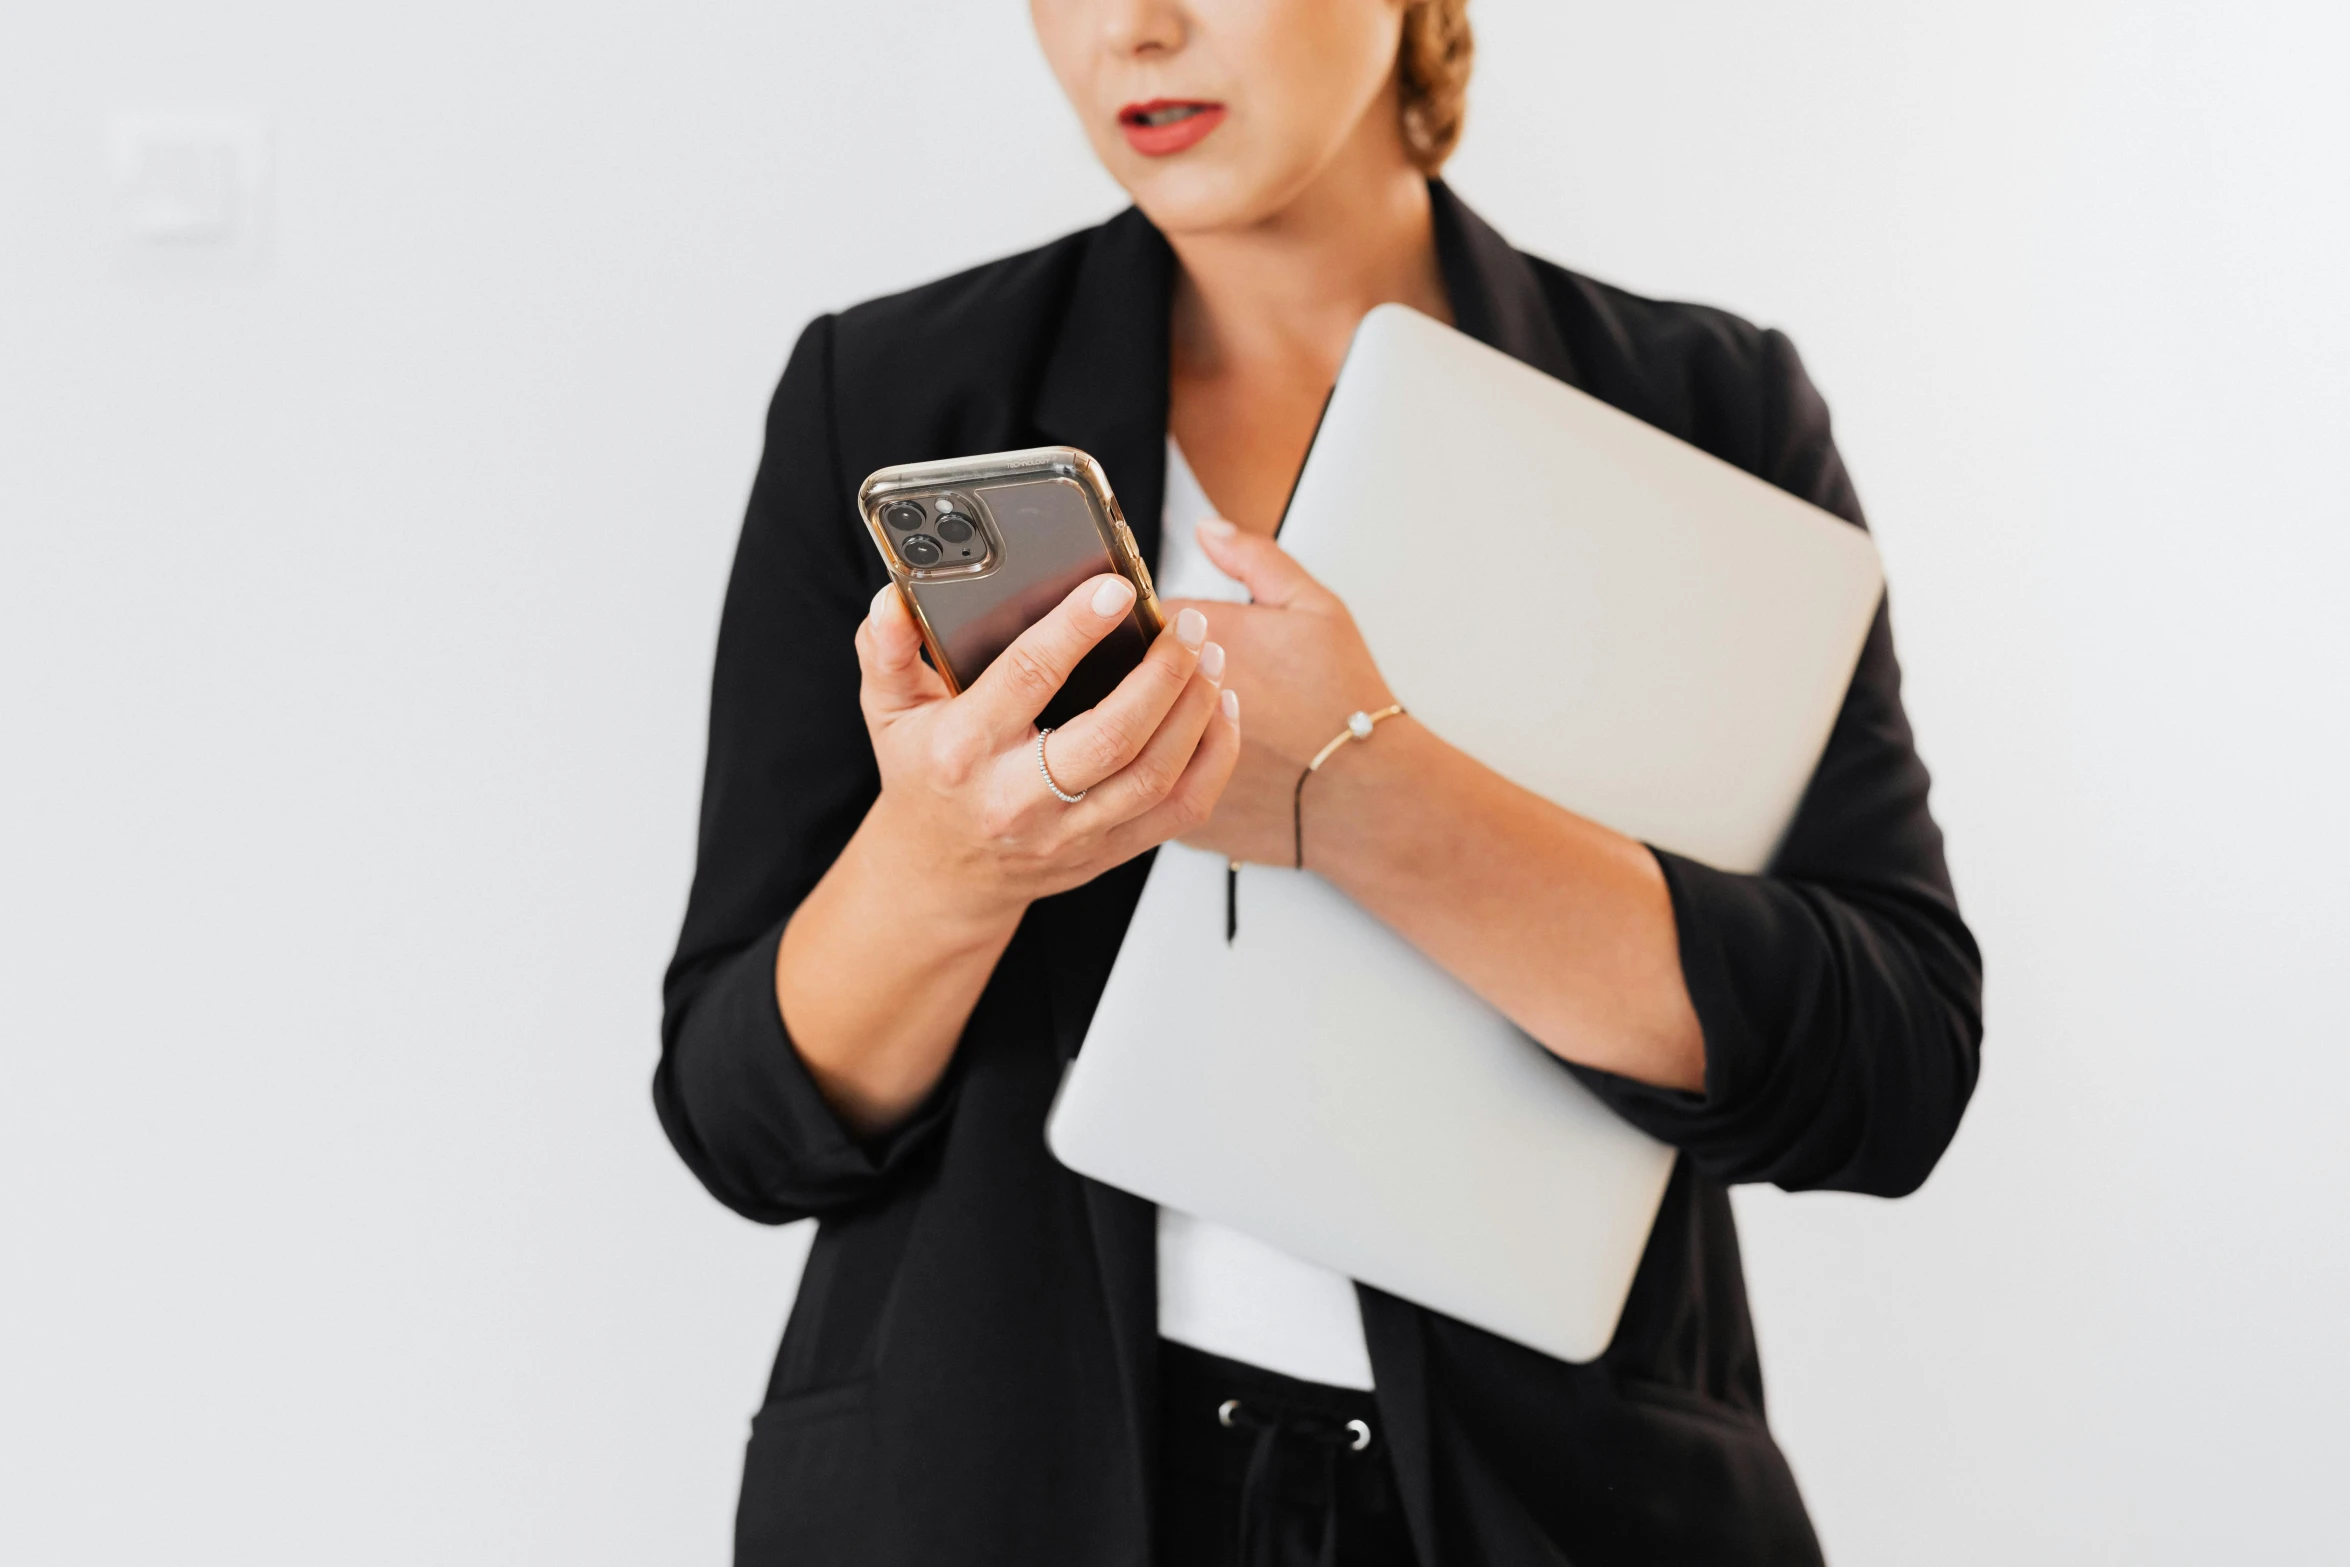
(1158, 141)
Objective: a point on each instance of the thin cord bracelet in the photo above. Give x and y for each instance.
(1358, 727)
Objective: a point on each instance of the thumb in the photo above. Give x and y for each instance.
(889, 652)
(1263, 567)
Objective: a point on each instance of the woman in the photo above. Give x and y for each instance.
(898, 931)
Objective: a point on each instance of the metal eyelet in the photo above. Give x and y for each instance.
(1362, 1433)
(1224, 1412)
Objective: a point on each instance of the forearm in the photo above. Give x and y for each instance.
(878, 972)
(1562, 925)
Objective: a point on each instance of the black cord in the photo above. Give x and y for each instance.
(1231, 900)
(1297, 816)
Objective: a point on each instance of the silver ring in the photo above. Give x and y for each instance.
(1059, 793)
(1224, 1412)
(1362, 1433)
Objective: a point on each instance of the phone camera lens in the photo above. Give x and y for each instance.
(903, 514)
(955, 530)
(920, 549)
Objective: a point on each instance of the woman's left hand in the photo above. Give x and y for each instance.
(1302, 668)
(1564, 926)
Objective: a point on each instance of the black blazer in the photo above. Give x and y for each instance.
(969, 1374)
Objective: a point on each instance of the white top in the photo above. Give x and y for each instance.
(1219, 1290)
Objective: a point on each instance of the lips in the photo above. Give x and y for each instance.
(1168, 125)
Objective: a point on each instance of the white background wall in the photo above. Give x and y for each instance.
(355, 617)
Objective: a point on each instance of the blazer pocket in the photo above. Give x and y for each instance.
(806, 1477)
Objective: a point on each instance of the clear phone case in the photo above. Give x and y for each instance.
(982, 547)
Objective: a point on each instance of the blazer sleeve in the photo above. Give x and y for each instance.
(789, 777)
(1840, 994)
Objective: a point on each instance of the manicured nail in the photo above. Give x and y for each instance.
(1112, 597)
(879, 599)
(1191, 628)
(1232, 705)
(1217, 527)
(1211, 660)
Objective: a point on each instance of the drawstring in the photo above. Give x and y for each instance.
(1258, 1545)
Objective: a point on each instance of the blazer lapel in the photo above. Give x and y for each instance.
(1104, 387)
(1104, 391)
(1496, 297)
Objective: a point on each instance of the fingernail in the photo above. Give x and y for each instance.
(1211, 661)
(1217, 526)
(1191, 628)
(873, 612)
(1232, 706)
(1112, 597)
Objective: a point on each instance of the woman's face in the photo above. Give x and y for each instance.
(1217, 113)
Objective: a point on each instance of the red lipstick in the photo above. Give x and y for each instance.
(1168, 125)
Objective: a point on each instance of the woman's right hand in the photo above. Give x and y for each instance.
(961, 795)
(879, 968)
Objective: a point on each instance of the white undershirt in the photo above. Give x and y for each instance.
(1219, 1290)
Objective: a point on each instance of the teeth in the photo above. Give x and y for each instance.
(1169, 115)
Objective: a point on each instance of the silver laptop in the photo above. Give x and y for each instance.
(1607, 616)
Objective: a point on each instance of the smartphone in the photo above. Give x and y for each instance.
(981, 548)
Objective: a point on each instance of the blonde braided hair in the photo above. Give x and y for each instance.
(1432, 66)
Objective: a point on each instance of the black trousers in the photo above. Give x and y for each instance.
(1261, 1470)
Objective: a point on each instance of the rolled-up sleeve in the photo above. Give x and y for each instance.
(1840, 993)
(790, 775)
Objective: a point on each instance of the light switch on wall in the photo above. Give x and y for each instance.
(191, 190)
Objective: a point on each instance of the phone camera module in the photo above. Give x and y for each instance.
(920, 549)
(955, 529)
(904, 515)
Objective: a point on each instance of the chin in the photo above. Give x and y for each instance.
(1205, 198)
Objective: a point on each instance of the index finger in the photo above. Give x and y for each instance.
(1027, 675)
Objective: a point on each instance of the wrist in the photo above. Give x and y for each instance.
(1360, 804)
(956, 901)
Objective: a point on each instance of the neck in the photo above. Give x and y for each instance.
(1283, 295)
